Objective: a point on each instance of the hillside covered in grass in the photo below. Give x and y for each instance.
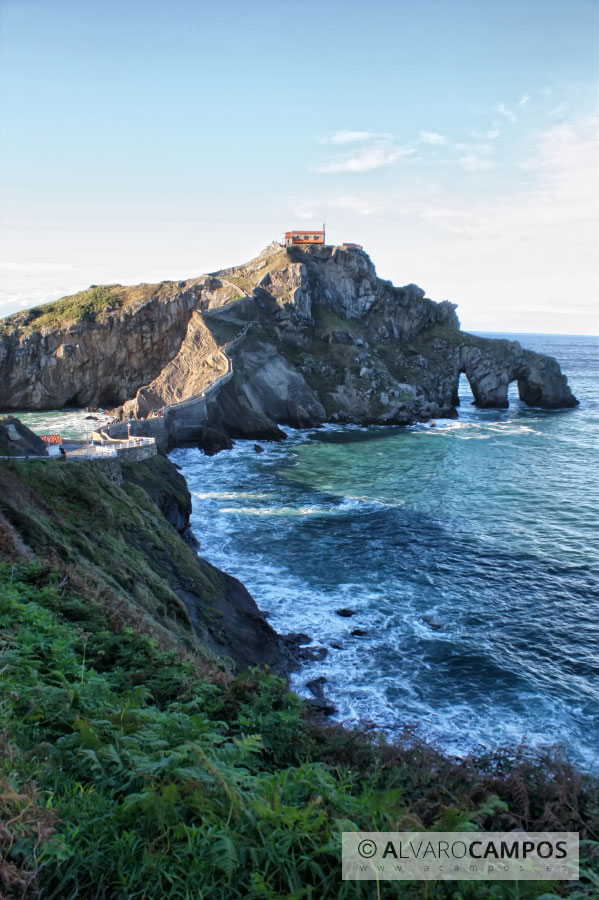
(136, 763)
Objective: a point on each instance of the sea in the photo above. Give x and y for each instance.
(467, 552)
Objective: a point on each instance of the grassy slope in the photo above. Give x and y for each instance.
(133, 767)
(116, 539)
(95, 303)
(98, 302)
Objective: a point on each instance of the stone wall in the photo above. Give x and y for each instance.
(135, 454)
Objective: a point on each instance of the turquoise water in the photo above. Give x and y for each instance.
(70, 424)
(468, 551)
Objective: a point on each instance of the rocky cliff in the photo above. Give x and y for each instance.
(127, 549)
(297, 336)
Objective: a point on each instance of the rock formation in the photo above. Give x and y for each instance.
(17, 440)
(297, 337)
(128, 546)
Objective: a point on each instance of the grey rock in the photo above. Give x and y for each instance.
(321, 706)
(226, 360)
(18, 440)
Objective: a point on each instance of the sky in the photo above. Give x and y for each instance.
(143, 140)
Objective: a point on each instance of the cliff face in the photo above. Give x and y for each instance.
(74, 354)
(297, 336)
(126, 549)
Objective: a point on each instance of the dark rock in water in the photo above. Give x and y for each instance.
(93, 418)
(346, 613)
(321, 703)
(358, 632)
(322, 706)
(433, 622)
(312, 654)
(316, 685)
(265, 613)
(296, 638)
(213, 440)
(258, 448)
(336, 646)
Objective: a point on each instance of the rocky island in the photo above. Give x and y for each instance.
(148, 742)
(298, 336)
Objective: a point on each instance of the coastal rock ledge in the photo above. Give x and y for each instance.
(298, 336)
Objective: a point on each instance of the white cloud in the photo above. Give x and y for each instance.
(432, 137)
(557, 209)
(27, 267)
(376, 151)
(525, 260)
(471, 162)
(491, 135)
(361, 206)
(306, 209)
(479, 147)
(345, 203)
(523, 101)
(506, 112)
(354, 137)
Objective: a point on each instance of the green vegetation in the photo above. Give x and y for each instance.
(84, 306)
(125, 773)
(134, 765)
(93, 304)
(115, 539)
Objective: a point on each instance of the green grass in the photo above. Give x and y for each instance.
(124, 773)
(117, 539)
(93, 304)
(135, 766)
(85, 306)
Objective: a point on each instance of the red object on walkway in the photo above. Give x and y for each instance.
(51, 438)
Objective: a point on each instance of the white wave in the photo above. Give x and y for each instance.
(279, 510)
(229, 495)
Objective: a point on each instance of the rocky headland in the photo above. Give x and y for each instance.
(298, 336)
(126, 543)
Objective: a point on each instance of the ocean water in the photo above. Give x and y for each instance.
(71, 424)
(467, 550)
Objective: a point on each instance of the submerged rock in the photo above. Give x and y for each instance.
(433, 622)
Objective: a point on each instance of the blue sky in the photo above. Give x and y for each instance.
(456, 140)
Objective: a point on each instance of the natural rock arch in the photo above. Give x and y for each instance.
(491, 369)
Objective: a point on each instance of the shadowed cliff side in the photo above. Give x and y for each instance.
(123, 547)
